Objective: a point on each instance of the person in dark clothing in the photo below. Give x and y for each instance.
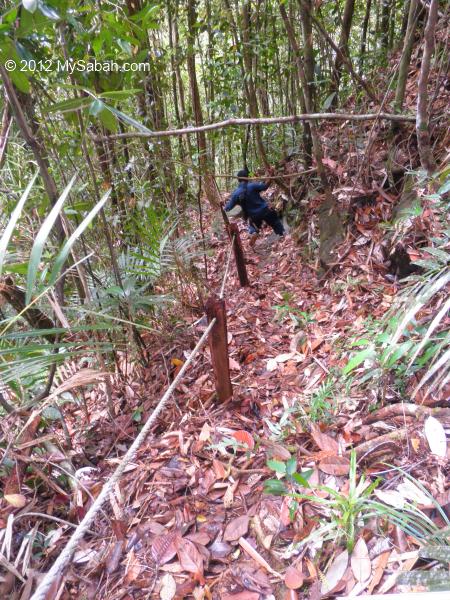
(254, 207)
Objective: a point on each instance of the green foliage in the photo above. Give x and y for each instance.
(347, 512)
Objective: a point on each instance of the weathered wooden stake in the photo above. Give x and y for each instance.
(218, 343)
(239, 255)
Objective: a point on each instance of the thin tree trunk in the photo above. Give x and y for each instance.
(206, 169)
(343, 47)
(422, 122)
(406, 56)
(252, 98)
(365, 26)
(309, 90)
(317, 146)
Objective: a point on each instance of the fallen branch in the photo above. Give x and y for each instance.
(261, 121)
(409, 410)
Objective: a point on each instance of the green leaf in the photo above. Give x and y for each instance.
(4, 241)
(41, 238)
(302, 478)
(128, 120)
(120, 94)
(326, 105)
(357, 359)
(96, 107)
(291, 466)
(62, 256)
(48, 11)
(108, 120)
(275, 487)
(51, 413)
(69, 105)
(277, 466)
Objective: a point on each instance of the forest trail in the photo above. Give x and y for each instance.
(188, 486)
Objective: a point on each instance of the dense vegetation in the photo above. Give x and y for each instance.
(112, 240)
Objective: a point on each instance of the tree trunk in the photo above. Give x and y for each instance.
(330, 223)
(305, 15)
(205, 168)
(365, 26)
(422, 122)
(252, 98)
(343, 47)
(406, 56)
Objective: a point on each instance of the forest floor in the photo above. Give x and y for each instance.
(191, 518)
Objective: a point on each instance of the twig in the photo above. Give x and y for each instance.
(261, 121)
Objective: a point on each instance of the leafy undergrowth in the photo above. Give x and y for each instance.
(262, 496)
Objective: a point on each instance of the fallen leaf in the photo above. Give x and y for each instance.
(164, 547)
(205, 433)
(335, 465)
(435, 435)
(324, 441)
(16, 500)
(133, 568)
(190, 558)
(293, 578)
(236, 528)
(335, 573)
(244, 437)
(360, 561)
(168, 587)
(390, 497)
(234, 365)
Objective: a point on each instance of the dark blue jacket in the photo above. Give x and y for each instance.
(253, 205)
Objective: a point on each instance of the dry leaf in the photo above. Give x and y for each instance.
(168, 587)
(390, 497)
(360, 561)
(435, 435)
(244, 437)
(164, 547)
(335, 573)
(133, 568)
(16, 500)
(205, 433)
(190, 558)
(293, 578)
(236, 528)
(324, 441)
(335, 465)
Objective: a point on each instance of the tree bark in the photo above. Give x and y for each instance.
(422, 121)
(305, 15)
(406, 56)
(207, 169)
(343, 49)
(365, 26)
(252, 97)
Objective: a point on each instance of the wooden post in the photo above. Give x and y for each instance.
(218, 344)
(239, 255)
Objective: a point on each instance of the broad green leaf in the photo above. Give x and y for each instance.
(277, 466)
(326, 105)
(128, 120)
(4, 241)
(41, 238)
(357, 359)
(120, 94)
(69, 105)
(96, 107)
(275, 487)
(291, 466)
(302, 478)
(62, 256)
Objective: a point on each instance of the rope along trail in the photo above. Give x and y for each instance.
(66, 554)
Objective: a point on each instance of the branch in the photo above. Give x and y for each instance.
(236, 122)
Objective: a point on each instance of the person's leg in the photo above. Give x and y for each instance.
(253, 229)
(272, 219)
